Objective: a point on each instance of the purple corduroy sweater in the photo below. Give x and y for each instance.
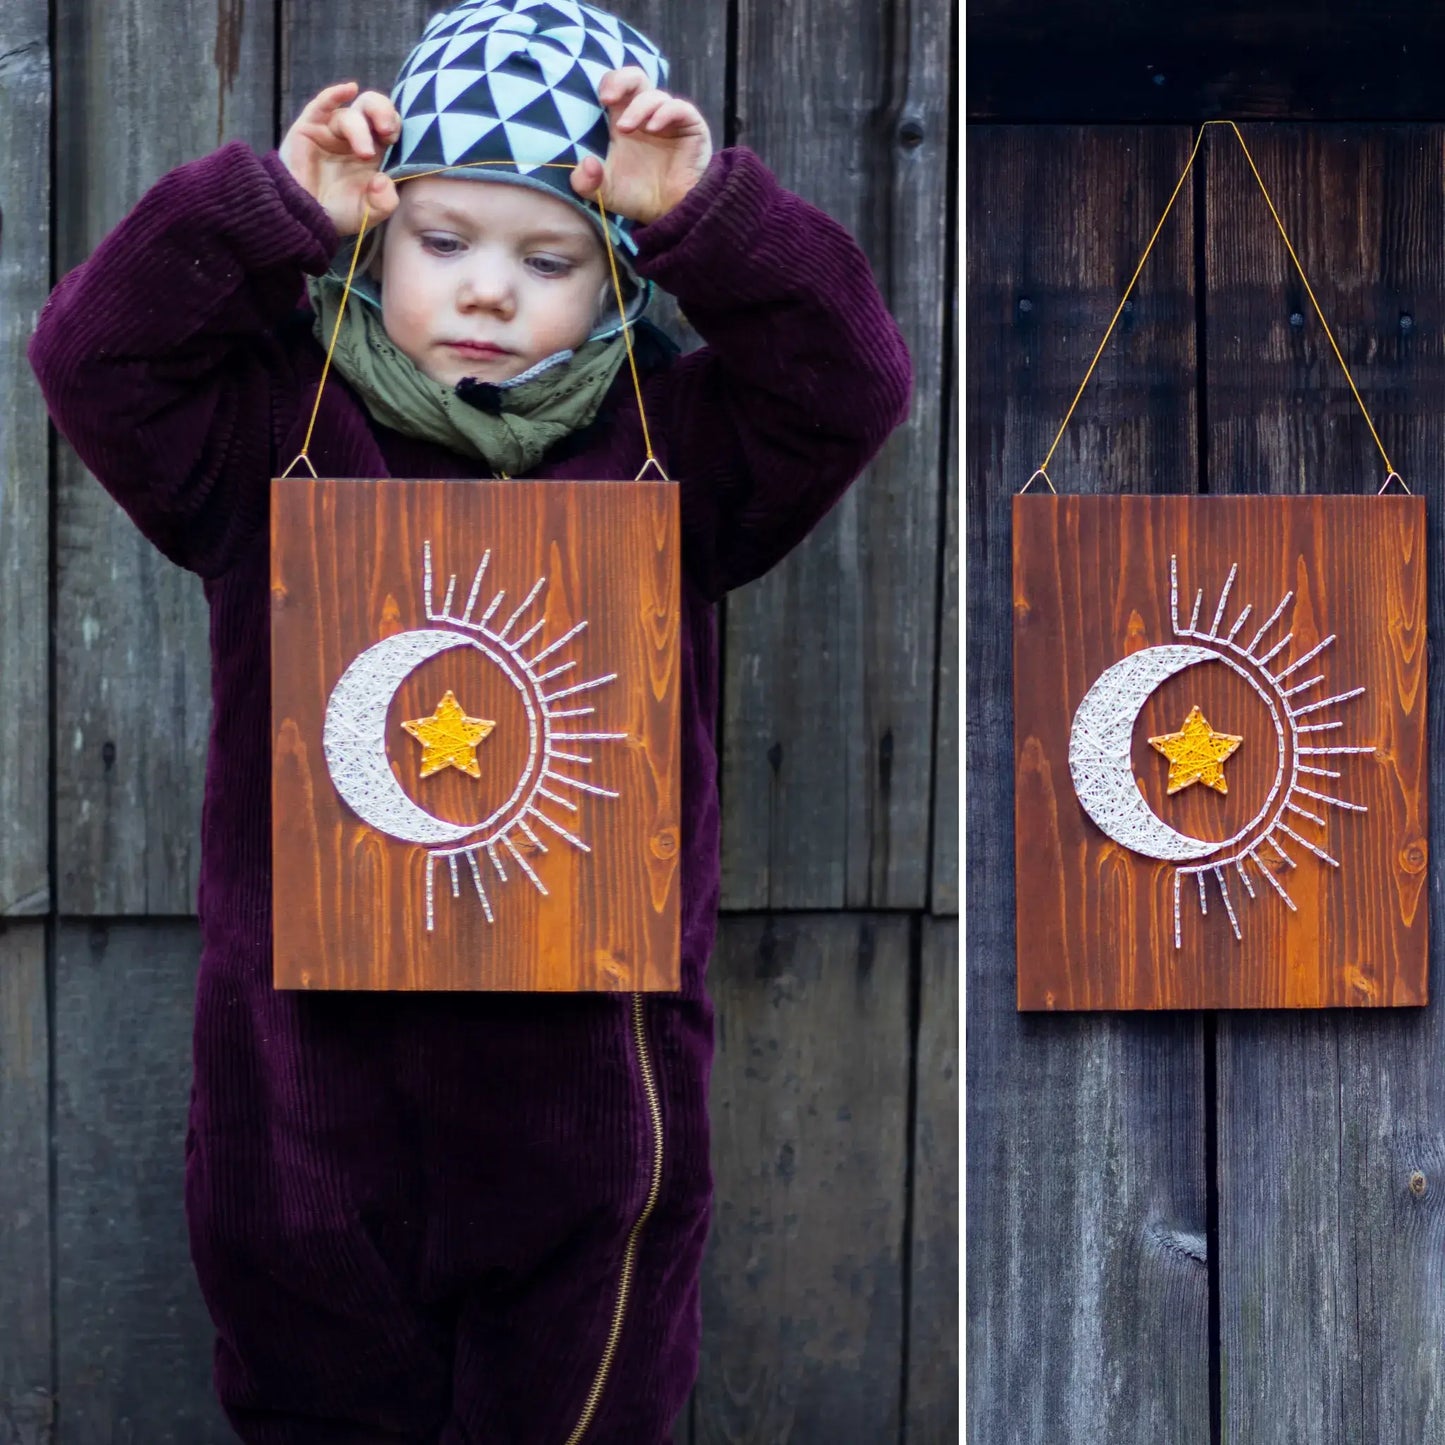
(400, 1150)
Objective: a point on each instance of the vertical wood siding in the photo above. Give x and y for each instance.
(24, 462)
(1087, 1285)
(831, 1276)
(1125, 1169)
(1331, 1269)
(827, 735)
(144, 85)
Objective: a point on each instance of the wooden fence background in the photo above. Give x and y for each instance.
(1197, 1227)
(830, 1304)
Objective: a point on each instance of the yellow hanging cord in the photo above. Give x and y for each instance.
(1042, 470)
(305, 453)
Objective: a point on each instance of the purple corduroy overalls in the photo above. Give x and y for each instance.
(415, 1217)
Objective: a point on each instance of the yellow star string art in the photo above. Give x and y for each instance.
(1196, 753)
(449, 738)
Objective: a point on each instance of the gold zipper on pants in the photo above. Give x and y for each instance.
(629, 1258)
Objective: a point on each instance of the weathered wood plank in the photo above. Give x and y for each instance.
(1332, 1288)
(694, 40)
(132, 674)
(828, 689)
(324, 44)
(943, 896)
(27, 1391)
(133, 1333)
(802, 1284)
(1085, 1166)
(932, 1386)
(24, 460)
(1043, 60)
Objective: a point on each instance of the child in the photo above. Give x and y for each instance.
(478, 1217)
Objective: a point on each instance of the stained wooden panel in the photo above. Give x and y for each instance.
(565, 598)
(802, 1284)
(1042, 60)
(1085, 1167)
(133, 1336)
(1316, 896)
(27, 1390)
(932, 1385)
(24, 460)
(147, 84)
(829, 660)
(1330, 1132)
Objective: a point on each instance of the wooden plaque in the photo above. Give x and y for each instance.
(1264, 658)
(474, 703)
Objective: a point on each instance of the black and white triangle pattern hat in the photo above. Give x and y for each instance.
(515, 82)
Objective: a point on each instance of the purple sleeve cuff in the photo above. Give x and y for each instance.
(703, 235)
(304, 208)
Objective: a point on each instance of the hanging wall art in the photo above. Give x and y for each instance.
(475, 713)
(1220, 751)
(1220, 741)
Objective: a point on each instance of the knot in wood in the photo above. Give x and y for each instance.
(910, 133)
(1418, 1184)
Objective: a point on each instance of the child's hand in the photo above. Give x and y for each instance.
(334, 149)
(659, 149)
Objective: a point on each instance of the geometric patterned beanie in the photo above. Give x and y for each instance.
(515, 81)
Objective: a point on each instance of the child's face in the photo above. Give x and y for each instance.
(491, 264)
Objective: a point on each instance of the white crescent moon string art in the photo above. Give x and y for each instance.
(1101, 737)
(354, 737)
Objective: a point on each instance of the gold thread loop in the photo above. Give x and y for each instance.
(1309, 291)
(1040, 473)
(300, 457)
(616, 287)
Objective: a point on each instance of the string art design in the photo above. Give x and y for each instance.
(355, 747)
(449, 738)
(1101, 736)
(1196, 753)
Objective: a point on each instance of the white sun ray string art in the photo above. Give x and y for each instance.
(354, 737)
(1101, 737)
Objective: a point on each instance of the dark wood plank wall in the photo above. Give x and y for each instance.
(830, 1283)
(24, 497)
(1281, 1182)
(1087, 1292)
(1332, 1310)
(1117, 60)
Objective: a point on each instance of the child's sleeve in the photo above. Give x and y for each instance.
(157, 356)
(803, 376)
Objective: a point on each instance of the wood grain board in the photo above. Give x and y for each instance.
(1288, 60)
(1087, 1311)
(132, 676)
(577, 803)
(943, 890)
(802, 1285)
(27, 1389)
(1096, 921)
(25, 99)
(133, 1343)
(932, 1387)
(828, 689)
(1331, 1127)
